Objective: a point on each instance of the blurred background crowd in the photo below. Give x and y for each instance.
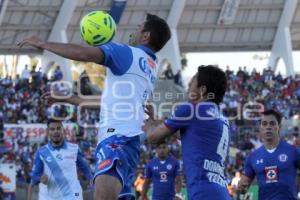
(20, 103)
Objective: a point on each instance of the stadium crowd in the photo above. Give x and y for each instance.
(20, 104)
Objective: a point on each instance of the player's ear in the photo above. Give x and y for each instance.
(146, 36)
(202, 90)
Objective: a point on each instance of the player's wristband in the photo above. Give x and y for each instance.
(179, 195)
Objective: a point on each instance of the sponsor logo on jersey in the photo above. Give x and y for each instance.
(151, 63)
(69, 157)
(114, 146)
(271, 174)
(282, 157)
(59, 157)
(163, 177)
(144, 66)
(259, 161)
(104, 163)
(110, 130)
(48, 159)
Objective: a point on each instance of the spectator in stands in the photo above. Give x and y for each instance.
(168, 73)
(178, 78)
(58, 75)
(25, 73)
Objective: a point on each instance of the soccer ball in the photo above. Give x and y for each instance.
(97, 28)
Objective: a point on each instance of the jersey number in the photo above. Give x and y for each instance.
(223, 144)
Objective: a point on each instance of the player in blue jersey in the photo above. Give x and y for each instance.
(165, 174)
(274, 164)
(131, 75)
(204, 135)
(55, 165)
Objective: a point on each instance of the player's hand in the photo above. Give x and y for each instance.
(31, 41)
(44, 179)
(178, 197)
(47, 99)
(242, 186)
(149, 110)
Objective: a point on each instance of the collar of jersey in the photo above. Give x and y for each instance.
(147, 50)
(63, 146)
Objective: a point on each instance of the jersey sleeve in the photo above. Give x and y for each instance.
(37, 169)
(148, 173)
(83, 166)
(117, 57)
(248, 169)
(180, 118)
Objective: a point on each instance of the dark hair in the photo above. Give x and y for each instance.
(276, 114)
(159, 31)
(160, 143)
(215, 81)
(52, 120)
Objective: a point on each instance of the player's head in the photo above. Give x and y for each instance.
(55, 131)
(208, 84)
(162, 150)
(270, 125)
(154, 33)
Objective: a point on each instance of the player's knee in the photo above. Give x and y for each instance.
(107, 188)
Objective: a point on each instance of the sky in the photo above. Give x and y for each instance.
(259, 60)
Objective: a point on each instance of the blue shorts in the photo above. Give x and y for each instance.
(118, 156)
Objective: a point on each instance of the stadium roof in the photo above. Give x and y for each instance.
(200, 29)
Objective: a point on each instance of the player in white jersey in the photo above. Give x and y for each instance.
(131, 75)
(56, 164)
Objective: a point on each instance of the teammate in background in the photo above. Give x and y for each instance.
(204, 135)
(164, 172)
(55, 165)
(274, 164)
(131, 75)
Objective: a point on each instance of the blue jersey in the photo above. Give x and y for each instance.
(276, 172)
(163, 175)
(205, 140)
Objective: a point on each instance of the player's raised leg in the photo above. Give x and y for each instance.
(108, 187)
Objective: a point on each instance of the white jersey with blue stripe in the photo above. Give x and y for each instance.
(60, 165)
(131, 75)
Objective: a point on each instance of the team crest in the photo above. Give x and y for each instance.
(169, 167)
(271, 174)
(282, 157)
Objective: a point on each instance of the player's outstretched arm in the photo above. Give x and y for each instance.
(49, 100)
(178, 186)
(159, 134)
(66, 50)
(244, 184)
